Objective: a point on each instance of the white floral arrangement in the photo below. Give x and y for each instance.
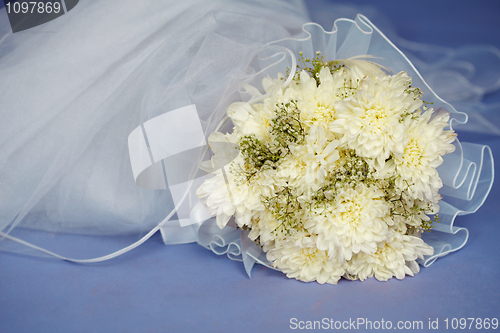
(336, 172)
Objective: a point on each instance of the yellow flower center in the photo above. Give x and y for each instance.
(352, 213)
(310, 254)
(412, 154)
(375, 119)
(381, 251)
(323, 113)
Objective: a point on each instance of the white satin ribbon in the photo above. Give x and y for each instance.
(168, 134)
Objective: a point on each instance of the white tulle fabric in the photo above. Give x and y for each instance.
(73, 89)
(68, 109)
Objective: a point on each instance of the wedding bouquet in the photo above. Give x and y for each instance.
(336, 172)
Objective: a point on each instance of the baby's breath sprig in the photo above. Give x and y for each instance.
(427, 225)
(257, 156)
(417, 92)
(413, 115)
(314, 66)
(348, 90)
(424, 226)
(286, 126)
(353, 172)
(426, 104)
(284, 206)
(413, 214)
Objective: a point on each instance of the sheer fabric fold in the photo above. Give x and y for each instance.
(73, 89)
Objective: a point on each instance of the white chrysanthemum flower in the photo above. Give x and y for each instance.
(321, 154)
(214, 194)
(272, 231)
(265, 223)
(358, 67)
(224, 148)
(353, 223)
(271, 85)
(369, 120)
(395, 257)
(426, 141)
(316, 103)
(250, 119)
(419, 210)
(299, 258)
(308, 164)
(236, 196)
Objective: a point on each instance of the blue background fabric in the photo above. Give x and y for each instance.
(185, 288)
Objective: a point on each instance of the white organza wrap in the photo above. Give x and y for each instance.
(66, 151)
